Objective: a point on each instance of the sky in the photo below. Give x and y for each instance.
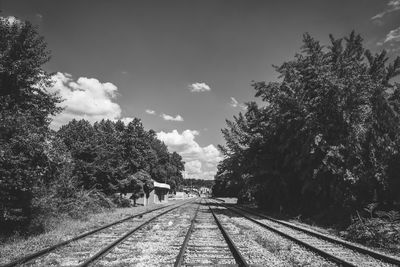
(184, 66)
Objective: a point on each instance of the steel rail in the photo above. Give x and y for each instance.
(217, 199)
(179, 258)
(235, 251)
(111, 246)
(374, 254)
(47, 250)
(325, 254)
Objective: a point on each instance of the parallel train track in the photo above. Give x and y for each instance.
(336, 250)
(98, 246)
(208, 243)
(81, 246)
(201, 238)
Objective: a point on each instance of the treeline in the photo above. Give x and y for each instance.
(325, 140)
(197, 183)
(75, 170)
(108, 152)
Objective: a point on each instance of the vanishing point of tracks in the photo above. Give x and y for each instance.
(198, 233)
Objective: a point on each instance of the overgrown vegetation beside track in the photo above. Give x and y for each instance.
(325, 141)
(46, 175)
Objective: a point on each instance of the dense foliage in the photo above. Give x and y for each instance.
(112, 157)
(75, 170)
(326, 138)
(25, 107)
(379, 230)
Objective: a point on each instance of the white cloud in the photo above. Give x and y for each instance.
(85, 98)
(392, 5)
(234, 103)
(393, 36)
(193, 168)
(126, 120)
(199, 87)
(151, 112)
(171, 118)
(200, 162)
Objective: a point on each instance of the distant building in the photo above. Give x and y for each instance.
(190, 191)
(158, 195)
(205, 190)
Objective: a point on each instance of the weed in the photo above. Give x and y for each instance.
(383, 231)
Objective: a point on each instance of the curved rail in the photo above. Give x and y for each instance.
(111, 246)
(330, 256)
(326, 255)
(376, 255)
(47, 250)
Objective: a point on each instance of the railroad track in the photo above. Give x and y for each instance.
(335, 250)
(194, 234)
(83, 250)
(208, 243)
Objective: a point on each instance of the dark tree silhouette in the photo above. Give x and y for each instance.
(326, 137)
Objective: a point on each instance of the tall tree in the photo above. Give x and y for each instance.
(327, 135)
(25, 109)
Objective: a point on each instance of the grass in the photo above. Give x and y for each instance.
(59, 229)
(271, 246)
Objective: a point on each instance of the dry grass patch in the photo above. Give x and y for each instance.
(58, 230)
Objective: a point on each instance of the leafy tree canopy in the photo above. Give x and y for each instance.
(326, 136)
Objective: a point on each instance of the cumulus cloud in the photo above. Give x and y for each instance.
(85, 98)
(199, 87)
(193, 168)
(200, 162)
(393, 36)
(126, 120)
(171, 118)
(234, 103)
(151, 112)
(392, 5)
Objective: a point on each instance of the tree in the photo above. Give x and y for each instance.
(106, 154)
(25, 109)
(139, 184)
(327, 135)
(80, 139)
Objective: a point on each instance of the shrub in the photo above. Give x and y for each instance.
(121, 202)
(383, 231)
(64, 198)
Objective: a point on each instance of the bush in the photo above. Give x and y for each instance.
(64, 198)
(383, 231)
(121, 202)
